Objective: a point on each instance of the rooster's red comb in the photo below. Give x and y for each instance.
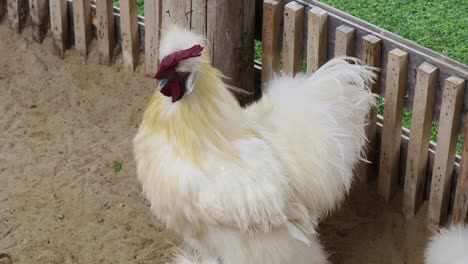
(172, 59)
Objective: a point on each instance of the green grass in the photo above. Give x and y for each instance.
(140, 3)
(440, 25)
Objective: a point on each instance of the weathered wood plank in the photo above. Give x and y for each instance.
(105, 31)
(421, 122)
(292, 39)
(371, 55)
(82, 25)
(271, 42)
(233, 55)
(130, 38)
(152, 33)
(460, 207)
(17, 14)
(391, 140)
(344, 41)
(445, 155)
(177, 13)
(39, 11)
(316, 39)
(59, 26)
(2, 10)
(198, 22)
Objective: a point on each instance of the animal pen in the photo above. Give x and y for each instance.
(411, 77)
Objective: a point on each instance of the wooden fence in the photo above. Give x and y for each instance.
(412, 77)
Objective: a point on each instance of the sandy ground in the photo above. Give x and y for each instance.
(63, 124)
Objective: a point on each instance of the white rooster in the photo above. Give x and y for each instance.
(448, 246)
(247, 186)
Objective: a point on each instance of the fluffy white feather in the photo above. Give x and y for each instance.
(448, 246)
(247, 185)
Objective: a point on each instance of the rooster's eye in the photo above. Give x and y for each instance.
(163, 82)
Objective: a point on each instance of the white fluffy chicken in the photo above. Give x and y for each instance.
(448, 246)
(246, 186)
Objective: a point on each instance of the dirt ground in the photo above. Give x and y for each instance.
(64, 123)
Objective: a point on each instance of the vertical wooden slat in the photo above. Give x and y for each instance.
(292, 39)
(444, 159)
(371, 54)
(198, 22)
(105, 30)
(130, 37)
(344, 41)
(2, 10)
(152, 34)
(271, 39)
(39, 10)
(231, 32)
(420, 135)
(59, 26)
(391, 134)
(460, 206)
(17, 14)
(82, 25)
(316, 39)
(177, 12)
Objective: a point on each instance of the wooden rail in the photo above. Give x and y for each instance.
(412, 77)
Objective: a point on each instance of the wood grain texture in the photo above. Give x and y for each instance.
(153, 11)
(105, 31)
(445, 155)
(230, 31)
(59, 26)
(130, 36)
(39, 12)
(271, 39)
(460, 206)
(371, 55)
(177, 12)
(83, 26)
(2, 10)
(17, 14)
(292, 38)
(391, 135)
(344, 41)
(316, 39)
(420, 134)
(198, 22)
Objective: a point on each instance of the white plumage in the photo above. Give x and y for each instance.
(448, 246)
(249, 185)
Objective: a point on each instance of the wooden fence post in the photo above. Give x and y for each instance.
(152, 33)
(292, 38)
(82, 25)
(39, 10)
(391, 133)
(59, 26)
(316, 39)
(460, 207)
(2, 10)
(371, 54)
(442, 172)
(271, 39)
(130, 37)
(177, 13)
(344, 41)
(420, 136)
(198, 12)
(233, 56)
(105, 30)
(17, 14)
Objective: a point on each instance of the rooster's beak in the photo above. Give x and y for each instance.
(162, 83)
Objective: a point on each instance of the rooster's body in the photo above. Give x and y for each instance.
(248, 185)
